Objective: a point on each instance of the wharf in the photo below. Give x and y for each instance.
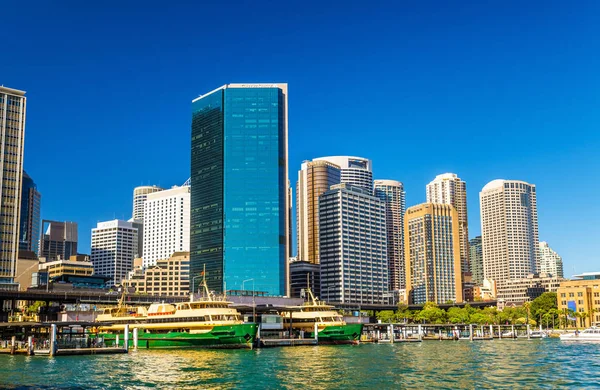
(81, 351)
(269, 343)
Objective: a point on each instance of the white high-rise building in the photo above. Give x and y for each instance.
(550, 262)
(114, 245)
(509, 230)
(392, 193)
(139, 198)
(12, 128)
(166, 224)
(448, 188)
(353, 246)
(357, 171)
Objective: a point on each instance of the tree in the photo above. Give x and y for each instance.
(543, 304)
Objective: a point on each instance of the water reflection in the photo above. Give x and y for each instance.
(457, 365)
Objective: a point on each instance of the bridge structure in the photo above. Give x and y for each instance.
(381, 307)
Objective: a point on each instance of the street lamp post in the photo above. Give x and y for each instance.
(253, 301)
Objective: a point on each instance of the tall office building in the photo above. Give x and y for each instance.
(12, 128)
(357, 171)
(354, 266)
(239, 195)
(476, 260)
(433, 266)
(550, 262)
(509, 230)
(29, 226)
(392, 193)
(166, 224)
(139, 198)
(314, 178)
(58, 239)
(114, 244)
(448, 188)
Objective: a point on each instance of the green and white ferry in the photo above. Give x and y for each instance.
(331, 327)
(205, 323)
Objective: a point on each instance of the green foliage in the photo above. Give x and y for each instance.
(34, 308)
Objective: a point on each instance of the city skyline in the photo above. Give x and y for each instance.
(525, 103)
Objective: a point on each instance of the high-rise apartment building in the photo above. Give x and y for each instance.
(169, 276)
(433, 266)
(58, 239)
(353, 246)
(509, 230)
(476, 260)
(392, 193)
(12, 127)
(114, 244)
(314, 178)
(550, 262)
(139, 198)
(166, 224)
(239, 187)
(357, 171)
(448, 188)
(29, 226)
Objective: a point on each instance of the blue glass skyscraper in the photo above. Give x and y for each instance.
(239, 183)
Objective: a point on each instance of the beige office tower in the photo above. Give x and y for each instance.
(392, 193)
(509, 230)
(448, 188)
(432, 254)
(139, 198)
(12, 129)
(314, 178)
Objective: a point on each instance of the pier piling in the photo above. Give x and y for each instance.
(499, 333)
(420, 330)
(528, 335)
(470, 332)
(126, 337)
(117, 340)
(514, 335)
(52, 340)
(316, 332)
(13, 345)
(135, 339)
(30, 345)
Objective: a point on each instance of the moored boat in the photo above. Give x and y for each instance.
(331, 327)
(208, 322)
(589, 334)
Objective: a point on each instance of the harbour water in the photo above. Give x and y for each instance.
(547, 363)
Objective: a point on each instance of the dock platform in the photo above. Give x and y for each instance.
(81, 351)
(268, 343)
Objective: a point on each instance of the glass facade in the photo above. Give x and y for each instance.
(29, 226)
(239, 188)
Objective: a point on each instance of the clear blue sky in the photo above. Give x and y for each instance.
(483, 89)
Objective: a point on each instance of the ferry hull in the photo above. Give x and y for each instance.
(342, 334)
(226, 336)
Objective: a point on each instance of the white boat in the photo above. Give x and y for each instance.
(589, 334)
(537, 334)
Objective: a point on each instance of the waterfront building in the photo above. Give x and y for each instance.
(550, 262)
(314, 178)
(114, 245)
(29, 226)
(392, 193)
(140, 194)
(304, 274)
(476, 260)
(357, 171)
(169, 276)
(448, 188)
(239, 187)
(486, 291)
(433, 266)
(509, 230)
(353, 246)
(12, 127)
(166, 224)
(27, 264)
(76, 265)
(581, 295)
(58, 240)
(526, 289)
